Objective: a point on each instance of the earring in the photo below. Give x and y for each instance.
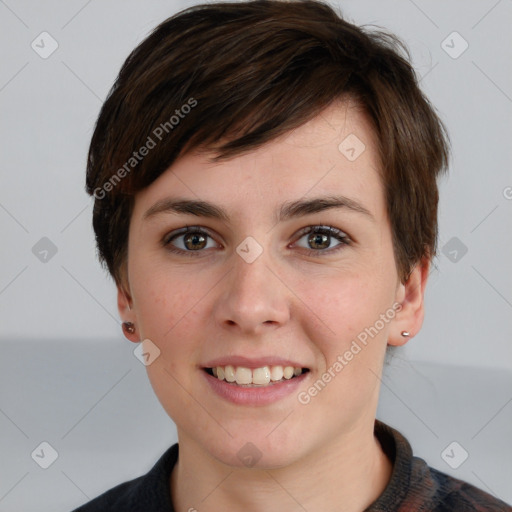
(405, 334)
(128, 327)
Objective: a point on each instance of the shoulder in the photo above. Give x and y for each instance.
(120, 497)
(414, 485)
(453, 494)
(148, 493)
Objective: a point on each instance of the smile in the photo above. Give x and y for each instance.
(255, 377)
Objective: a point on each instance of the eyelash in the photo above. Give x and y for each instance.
(330, 231)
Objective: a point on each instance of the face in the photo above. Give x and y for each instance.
(289, 264)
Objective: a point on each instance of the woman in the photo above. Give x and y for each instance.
(264, 176)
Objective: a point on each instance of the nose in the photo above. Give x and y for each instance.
(252, 298)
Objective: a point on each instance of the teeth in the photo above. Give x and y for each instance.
(229, 373)
(257, 376)
(276, 373)
(242, 375)
(287, 372)
(261, 375)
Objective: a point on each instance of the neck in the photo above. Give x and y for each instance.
(348, 475)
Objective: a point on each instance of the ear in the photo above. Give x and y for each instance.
(411, 297)
(126, 313)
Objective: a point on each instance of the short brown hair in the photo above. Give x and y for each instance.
(249, 72)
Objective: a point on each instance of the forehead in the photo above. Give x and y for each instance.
(334, 153)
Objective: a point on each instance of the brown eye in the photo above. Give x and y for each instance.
(188, 240)
(194, 241)
(319, 239)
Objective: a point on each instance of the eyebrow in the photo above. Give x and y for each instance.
(287, 211)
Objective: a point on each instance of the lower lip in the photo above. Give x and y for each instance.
(254, 395)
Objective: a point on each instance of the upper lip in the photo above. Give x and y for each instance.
(257, 362)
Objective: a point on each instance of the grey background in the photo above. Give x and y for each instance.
(67, 375)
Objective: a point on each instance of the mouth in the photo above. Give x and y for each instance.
(265, 376)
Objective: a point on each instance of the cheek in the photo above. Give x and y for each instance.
(345, 306)
(166, 304)
(355, 351)
(167, 312)
(350, 340)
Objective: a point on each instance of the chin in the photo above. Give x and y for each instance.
(257, 451)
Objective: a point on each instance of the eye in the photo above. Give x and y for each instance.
(319, 239)
(188, 240)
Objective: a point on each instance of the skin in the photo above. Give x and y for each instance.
(287, 303)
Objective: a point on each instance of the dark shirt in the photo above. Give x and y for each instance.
(413, 487)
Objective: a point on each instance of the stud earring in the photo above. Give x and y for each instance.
(128, 327)
(405, 334)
